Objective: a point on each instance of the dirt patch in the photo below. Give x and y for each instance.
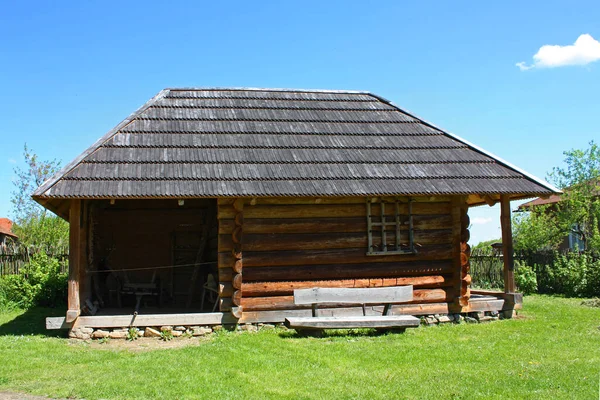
(591, 303)
(141, 344)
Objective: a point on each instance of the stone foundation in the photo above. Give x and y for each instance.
(197, 331)
(161, 331)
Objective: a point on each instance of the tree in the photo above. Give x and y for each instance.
(537, 230)
(579, 208)
(33, 224)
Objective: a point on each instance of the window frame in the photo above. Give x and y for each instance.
(383, 224)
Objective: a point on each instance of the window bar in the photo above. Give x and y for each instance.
(411, 238)
(383, 238)
(397, 226)
(369, 226)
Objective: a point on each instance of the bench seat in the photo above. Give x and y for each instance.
(388, 321)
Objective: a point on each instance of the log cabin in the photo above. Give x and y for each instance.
(210, 206)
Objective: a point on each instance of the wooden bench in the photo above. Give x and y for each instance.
(363, 296)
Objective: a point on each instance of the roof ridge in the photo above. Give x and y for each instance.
(257, 89)
(529, 176)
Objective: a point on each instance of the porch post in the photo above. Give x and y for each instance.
(507, 244)
(74, 307)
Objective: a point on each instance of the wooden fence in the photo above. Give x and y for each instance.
(12, 259)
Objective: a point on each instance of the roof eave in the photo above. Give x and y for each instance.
(40, 192)
(535, 179)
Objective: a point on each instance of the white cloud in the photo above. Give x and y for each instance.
(585, 50)
(481, 220)
(12, 161)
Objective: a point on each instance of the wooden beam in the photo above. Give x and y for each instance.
(53, 323)
(394, 321)
(75, 223)
(187, 319)
(507, 244)
(394, 294)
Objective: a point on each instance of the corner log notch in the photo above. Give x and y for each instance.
(230, 283)
(461, 251)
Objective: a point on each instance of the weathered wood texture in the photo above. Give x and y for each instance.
(394, 321)
(507, 245)
(230, 271)
(300, 243)
(73, 299)
(464, 253)
(395, 294)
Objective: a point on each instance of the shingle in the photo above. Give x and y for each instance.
(207, 143)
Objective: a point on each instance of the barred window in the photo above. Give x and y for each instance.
(390, 227)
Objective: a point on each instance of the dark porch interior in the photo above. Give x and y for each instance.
(152, 256)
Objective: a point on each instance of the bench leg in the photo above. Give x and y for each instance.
(386, 309)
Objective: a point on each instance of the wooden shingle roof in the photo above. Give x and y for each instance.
(268, 142)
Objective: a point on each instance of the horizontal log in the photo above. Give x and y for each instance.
(330, 200)
(333, 256)
(346, 271)
(237, 266)
(236, 297)
(324, 225)
(329, 210)
(319, 241)
(400, 309)
(287, 302)
(261, 289)
(236, 281)
(226, 274)
(237, 312)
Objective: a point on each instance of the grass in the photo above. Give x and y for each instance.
(551, 351)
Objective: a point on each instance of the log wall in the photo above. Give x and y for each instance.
(297, 243)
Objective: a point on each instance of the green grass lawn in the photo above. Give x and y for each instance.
(551, 351)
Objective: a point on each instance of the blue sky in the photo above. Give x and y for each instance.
(70, 72)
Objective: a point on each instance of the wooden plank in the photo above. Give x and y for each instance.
(512, 300)
(253, 289)
(53, 323)
(332, 256)
(328, 210)
(73, 301)
(397, 321)
(507, 245)
(187, 319)
(343, 271)
(394, 294)
(485, 305)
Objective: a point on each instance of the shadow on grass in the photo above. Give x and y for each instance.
(33, 322)
(332, 333)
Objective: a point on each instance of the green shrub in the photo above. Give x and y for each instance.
(39, 282)
(526, 279)
(573, 274)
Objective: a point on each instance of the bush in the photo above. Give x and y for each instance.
(572, 274)
(526, 279)
(39, 282)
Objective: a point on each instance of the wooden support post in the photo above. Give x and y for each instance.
(73, 303)
(507, 245)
